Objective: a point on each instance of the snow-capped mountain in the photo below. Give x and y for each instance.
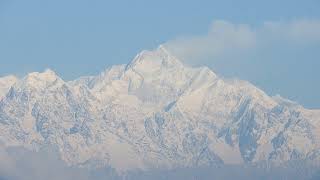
(155, 112)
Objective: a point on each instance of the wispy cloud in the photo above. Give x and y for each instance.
(226, 38)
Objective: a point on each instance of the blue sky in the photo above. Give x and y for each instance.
(81, 37)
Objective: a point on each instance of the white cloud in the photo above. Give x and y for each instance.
(227, 39)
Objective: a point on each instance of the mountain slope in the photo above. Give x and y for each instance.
(156, 112)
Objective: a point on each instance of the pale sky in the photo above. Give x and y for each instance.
(273, 44)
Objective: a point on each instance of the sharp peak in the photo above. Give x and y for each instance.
(160, 55)
(39, 81)
(47, 76)
(49, 71)
(46, 73)
(161, 50)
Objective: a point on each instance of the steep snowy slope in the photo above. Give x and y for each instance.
(157, 112)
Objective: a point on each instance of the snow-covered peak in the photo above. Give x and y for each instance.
(6, 83)
(39, 80)
(151, 61)
(47, 75)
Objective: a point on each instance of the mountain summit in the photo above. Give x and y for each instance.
(155, 112)
(153, 60)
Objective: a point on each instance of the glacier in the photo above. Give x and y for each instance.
(155, 112)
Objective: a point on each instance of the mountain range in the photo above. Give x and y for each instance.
(155, 112)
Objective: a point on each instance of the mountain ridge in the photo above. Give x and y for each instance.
(156, 112)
